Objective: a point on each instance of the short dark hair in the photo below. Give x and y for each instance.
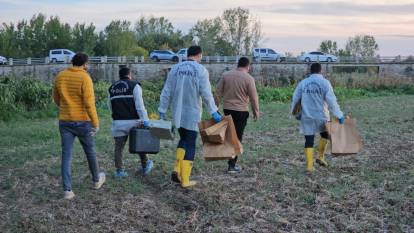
(194, 50)
(80, 59)
(243, 62)
(124, 72)
(315, 68)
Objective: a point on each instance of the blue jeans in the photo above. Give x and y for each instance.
(68, 131)
(187, 142)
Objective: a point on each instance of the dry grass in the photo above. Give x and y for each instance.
(371, 192)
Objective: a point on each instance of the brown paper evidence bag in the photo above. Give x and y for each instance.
(220, 141)
(344, 139)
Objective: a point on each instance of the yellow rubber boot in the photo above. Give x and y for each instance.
(309, 159)
(186, 166)
(322, 148)
(179, 156)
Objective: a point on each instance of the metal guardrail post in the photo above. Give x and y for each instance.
(398, 58)
(29, 61)
(119, 59)
(208, 59)
(136, 59)
(225, 59)
(237, 58)
(142, 59)
(218, 58)
(102, 59)
(47, 60)
(124, 60)
(10, 61)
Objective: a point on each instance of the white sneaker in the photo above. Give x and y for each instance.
(68, 195)
(101, 181)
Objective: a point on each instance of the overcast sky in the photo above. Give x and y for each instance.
(288, 25)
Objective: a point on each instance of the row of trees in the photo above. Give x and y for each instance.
(358, 46)
(234, 32)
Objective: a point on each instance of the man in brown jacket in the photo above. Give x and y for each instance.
(237, 88)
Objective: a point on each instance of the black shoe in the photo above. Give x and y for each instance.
(174, 177)
(234, 169)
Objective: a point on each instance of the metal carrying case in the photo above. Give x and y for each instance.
(142, 141)
(162, 129)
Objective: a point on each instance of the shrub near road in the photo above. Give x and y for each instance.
(19, 97)
(29, 98)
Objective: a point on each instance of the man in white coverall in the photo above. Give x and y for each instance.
(316, 96)
(185, 84)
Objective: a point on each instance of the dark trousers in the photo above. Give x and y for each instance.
(69, 130)
(240, 121)
(119, 147)
(310, 139)
(187, 142)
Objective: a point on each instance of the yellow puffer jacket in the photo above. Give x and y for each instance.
(74, 95)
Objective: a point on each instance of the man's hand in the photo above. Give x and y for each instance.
(162, 115)
(216, 116)
(94, 131)
(256, 116)
(341, 120)
(146, 124)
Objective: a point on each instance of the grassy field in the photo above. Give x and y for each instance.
(370, 192)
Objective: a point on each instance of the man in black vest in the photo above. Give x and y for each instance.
(128, 110)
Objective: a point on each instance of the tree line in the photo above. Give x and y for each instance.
(357, 46)
(235, 32)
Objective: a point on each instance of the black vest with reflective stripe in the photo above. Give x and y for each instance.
(122, 100)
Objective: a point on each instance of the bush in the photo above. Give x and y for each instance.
(271, 94)
(139, 51)
(30, 98)
(20, 97)
(101, 93)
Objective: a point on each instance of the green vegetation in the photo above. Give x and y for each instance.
(24, 98)
(30, 98)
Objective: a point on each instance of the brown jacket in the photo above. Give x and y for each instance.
(238, 89)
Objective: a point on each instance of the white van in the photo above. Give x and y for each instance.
(60, 55)
(3, 60)
(268, 55)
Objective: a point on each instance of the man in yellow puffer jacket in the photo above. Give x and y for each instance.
(74, 95)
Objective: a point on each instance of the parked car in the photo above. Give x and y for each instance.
(166, 55)
(3, 60)
(182, 53)
(60, 55)
(268, 54)
(317, 56)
